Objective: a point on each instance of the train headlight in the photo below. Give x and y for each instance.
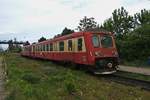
(110, 65)
(97, 53)
(114, 53)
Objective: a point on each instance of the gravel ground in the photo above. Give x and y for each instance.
(139, 70)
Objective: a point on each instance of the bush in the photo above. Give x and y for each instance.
(70, 85)
(135, 45)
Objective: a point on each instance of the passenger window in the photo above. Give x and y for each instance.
(80, 44)
(55, 48)
(70, 45)
(51, 47)
(38, 48)
(47, 48)
(43, 47)
(61, 46)
(34, 48)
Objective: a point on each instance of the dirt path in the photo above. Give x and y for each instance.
(2, 78)
(145, 71)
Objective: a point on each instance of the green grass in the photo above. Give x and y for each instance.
(30, 79)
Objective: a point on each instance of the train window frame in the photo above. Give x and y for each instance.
(98, 41)
(80, 44)
(61, 46)
(70, 46)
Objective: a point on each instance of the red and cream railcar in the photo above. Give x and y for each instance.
(96, 49)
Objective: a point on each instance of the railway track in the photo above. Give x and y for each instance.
(129, 81)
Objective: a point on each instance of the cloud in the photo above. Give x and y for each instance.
(49, 17)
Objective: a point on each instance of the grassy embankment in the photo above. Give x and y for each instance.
(30, 79)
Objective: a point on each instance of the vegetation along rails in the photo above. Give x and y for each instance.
(129, 81)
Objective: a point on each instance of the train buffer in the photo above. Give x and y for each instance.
(138, 70)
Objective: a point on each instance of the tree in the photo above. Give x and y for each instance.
(26, 43)
(86, 24)
(66, 31)
(42, 39)
(120, 23)
(108, 25)
(136, 45)
(142, 18)
(58, 35)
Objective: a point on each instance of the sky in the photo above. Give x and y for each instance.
(32, 19)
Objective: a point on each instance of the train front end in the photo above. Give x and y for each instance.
(105, 53)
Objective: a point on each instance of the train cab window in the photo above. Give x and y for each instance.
(69, 45)
(106, 41)
(61, 46)
(95, 40)
(51, 47)
(80, 44)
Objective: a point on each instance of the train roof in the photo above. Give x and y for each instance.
(73, 35)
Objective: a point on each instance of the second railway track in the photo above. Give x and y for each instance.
(129, 81)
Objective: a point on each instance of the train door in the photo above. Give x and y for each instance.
(70, 49)
(79, 51)
(88, 49)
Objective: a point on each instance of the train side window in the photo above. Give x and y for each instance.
(69, 45)
(80, 44)
(43, 47)
(38, 48)
(47, 47)
(32, 48)
(61, 46)
(51, 47)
